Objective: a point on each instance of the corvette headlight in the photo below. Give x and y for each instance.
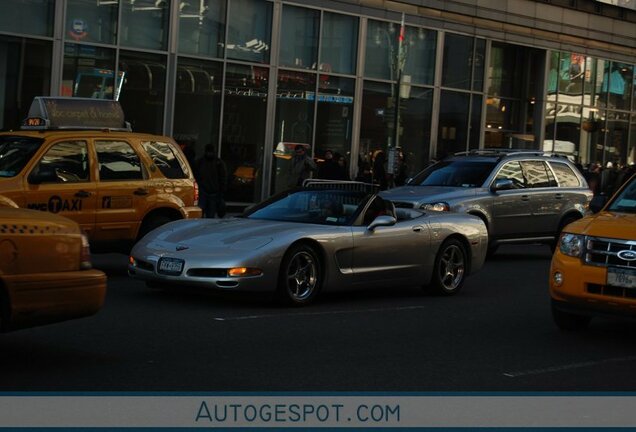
(438, 206)
(571, 244)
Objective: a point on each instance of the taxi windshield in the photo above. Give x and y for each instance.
(15, 153)
(625, 201)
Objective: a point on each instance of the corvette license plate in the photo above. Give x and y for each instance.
(625, 278)
(170, 266)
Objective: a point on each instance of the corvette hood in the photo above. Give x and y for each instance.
(606, 224)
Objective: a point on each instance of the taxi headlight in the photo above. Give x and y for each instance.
(571, 244)
(438, 206)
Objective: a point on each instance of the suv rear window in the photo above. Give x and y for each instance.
(455, 173)
(565, 175)
(164, 157)
(16, 152)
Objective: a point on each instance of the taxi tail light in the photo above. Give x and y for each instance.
(196, 193)
(85, 255)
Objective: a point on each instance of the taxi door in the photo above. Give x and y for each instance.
(61, 182)
(121, 191)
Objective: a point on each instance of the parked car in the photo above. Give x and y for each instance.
(314, 239)
(118, 185)
(522, 196)
(593, 270)
(45, 270)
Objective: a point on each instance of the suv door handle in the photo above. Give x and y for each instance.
(525, 198)
(141, 191)
(558, 196)
(82, 194)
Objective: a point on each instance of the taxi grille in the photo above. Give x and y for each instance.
(603, 252)
(611, 291)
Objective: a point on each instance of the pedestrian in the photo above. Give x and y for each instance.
(211, 176)
(301, 167)
(343, 171)
(328, 168)
(379, 171)
(364, 173)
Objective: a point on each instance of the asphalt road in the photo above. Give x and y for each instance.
(496, 335)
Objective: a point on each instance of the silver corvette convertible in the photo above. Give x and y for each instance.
(305, 241)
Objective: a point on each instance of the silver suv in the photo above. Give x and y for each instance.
(522, 196)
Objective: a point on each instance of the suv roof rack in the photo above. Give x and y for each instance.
(503, 152)
(343, 185)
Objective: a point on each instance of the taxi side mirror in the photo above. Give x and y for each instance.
(43, 175)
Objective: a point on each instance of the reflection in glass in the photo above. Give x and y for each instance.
(89, 72)
(479, 64)
(419, 51)
(452, 135)
(415, 125)
(619, 85)
(27, 67)
(142, 95)
(299, 46)
(631, 153)
(144, 24)
(458, 55)
(339, 43)
(202, 27)
(376, 118)
(506, 62)
(475, 122)
(294, 123)
(616, 141)
(87, 23)
(243, 138)
(568, 130)
(197, 110)
(29, 17)
(249, 30)
(381, 49)
(571, 72)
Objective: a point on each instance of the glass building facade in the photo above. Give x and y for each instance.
(255, 78)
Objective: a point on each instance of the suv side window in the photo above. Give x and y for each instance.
(512, 170)
(565, 175)
(164, 157)
(536, 173)
(117, 161)
(65, 162)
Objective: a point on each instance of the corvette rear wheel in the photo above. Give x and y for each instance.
(451, 265)
(299, 280)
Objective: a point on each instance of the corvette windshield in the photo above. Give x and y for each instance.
(15, 153)
(326, 207)
(454, 173)
(625, 202)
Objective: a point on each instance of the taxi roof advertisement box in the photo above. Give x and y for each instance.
(75, 113)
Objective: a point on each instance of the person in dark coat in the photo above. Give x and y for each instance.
(301, 167)
(379, 171)
(211, 175)
(328, 168)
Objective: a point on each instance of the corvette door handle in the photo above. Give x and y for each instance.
(141, 191)
(82, 194)
(417, 228)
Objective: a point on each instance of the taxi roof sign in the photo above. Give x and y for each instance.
(75, 113)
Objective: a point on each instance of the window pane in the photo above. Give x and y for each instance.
(294, 123)
(565, 175)
(164, 158)
(339, 43)
(142, 95)
(621, 81)
(245, 111)
(67, 161)
(374, 130)
(419, 52)
(197, 110)
(88, 22)
(458, 56)
(570, 77)
(144, 24)
(478, 64)
(25, 72)
(453, 123)
(32, 17)
(202, 27)
(475, 122)
(568, 126)
(512, 171)
(334, 119)
(536, 174)
(381, 49)
(250, 30)
(117, 161)
(631, 155)
(506, 63)
(299, 46)
(88, 72)
(415, 136)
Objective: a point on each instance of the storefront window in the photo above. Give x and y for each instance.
(295, 103)
(506, 68)
(249, 30)
(381, 50)
(619, 88)
(415, 136)
(89, 72)
(197, 109)
(144, 24)
(243, 138)
(202, 27)
(377, 120)
(631, 153)
(25, 72)
(334, 117)
(299, 44)
(458, 57)
(568, 130)
(87, 22)
(29, 17)
(617, 144)
(475, 122)
(339, 43)
(143, 91)
(419, 55)
(478, 64)
(453, 123)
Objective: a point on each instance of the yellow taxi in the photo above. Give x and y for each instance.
(45, 270)
(78, 158)
(593, 269)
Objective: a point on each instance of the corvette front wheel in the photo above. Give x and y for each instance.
(300, 276)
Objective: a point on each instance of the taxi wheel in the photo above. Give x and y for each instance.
(152, 222)
(451, 266)
(300, 276)
(569, 321)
